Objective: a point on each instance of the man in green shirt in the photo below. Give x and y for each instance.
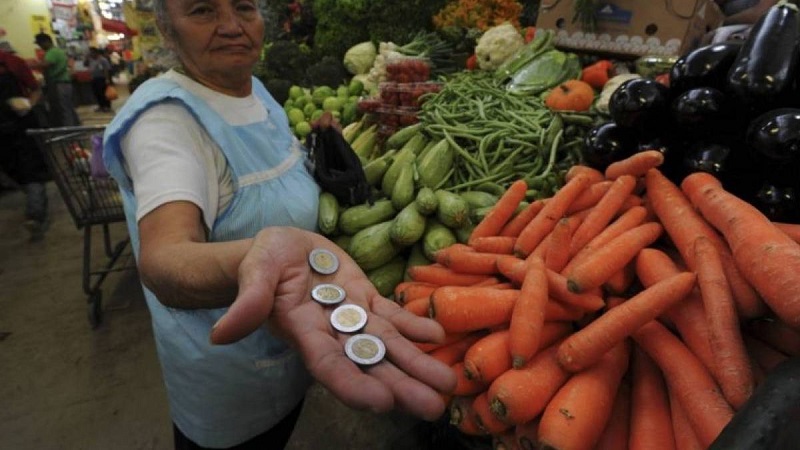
(58, 83)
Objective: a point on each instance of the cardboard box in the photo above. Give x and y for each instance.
(633, 27)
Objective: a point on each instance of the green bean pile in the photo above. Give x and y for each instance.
(500, 137)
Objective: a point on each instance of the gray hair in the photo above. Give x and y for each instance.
(163, 21)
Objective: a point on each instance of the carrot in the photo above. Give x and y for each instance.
(733, 373)
(419, 306)
(576, 416)
(465, 386)
(597, 267)
(407, 291)
(790, 229)
(685, 437)
(688, 316)
(520, 395)
(488, 282)
(621, 280)
(518, 223)
(777, 334)
(651, 423)
(488, 358)
(527, 434)
(589, 197)
(584, 347)
(460, 308)
(579, 169)
(627, 221)
(554, 209)
(557, 253)
(443, 276)
(557, 288)
(695, 389)
(454, 352)
(683, 225)
(502, 245)
(766, 356)
(615, 435)
(556, 311)
(512, 268)
(602, 214)
(527, 318)
(505, 441)
(631, 201)
(501, 212)
(484, 418)
(442, 255)
(449, 338)
(463, 417)
(637, 164)
(471, 262)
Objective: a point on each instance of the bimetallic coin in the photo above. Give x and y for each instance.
(349, 318)
(328, 294)
(323, 261)
(365, 349)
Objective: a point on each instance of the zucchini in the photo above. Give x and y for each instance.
(434, 168)
(364, 144)
(403, 190)
(372, 247)
(356, 218)
(463, 233)
(491, 188)
(404, 156)
(476, 215)
(453, 210)
(426, 149)
(416, 257)
(408, 226)
(402, 136)
(768, 420)
(374, 170)
(328, 216)
(343, 242)
(437, 236)
(386, 277)
(478, 199)
(426, 201)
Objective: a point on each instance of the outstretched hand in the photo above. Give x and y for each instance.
(275, 283)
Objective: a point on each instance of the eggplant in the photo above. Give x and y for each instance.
(703, 67)
(763, 74)
(778, 202)
(710, 157)
(606, 143)
(703, 109)
(776, 135)
(640, 103)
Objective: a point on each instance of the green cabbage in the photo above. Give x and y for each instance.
(360, 58)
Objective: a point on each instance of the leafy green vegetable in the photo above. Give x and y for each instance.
(545, 71)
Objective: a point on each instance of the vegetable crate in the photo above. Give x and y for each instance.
(92, 198)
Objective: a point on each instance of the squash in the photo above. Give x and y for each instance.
(571, 95)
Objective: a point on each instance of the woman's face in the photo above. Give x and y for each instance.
(217, 41)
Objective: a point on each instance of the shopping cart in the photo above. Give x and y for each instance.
(92, 198)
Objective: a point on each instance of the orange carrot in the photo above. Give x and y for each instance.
(790, 229)
(527, 318)
(557, 253)
(419, 306)
(488, 358)
(584, 347)
(501, 212)
(602, 214)
(631, 201)
(695, 389)
(512, 268)
(777, 334)
(460, 308)
(556, 311)
(449, 338)
(463, 417)
(557, 288)
(554, 209)
(407, 291)
(501, 245)
(685, 437)
(487, 421)
(589, 197)
(520, 395)
(651, 422)
(637, 164)
(454, 352)
(615, 435)
(443, 276)
(471, 262)
(766, 356)
(734, 374)
(578, 413)
(683, 225)
(579, 169)
(620, 281)
(627, 221)
(489, 281)
(518, 223)
(465, 386)
(596, 268)
(527, 434)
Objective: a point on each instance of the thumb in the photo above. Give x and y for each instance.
(249, 310)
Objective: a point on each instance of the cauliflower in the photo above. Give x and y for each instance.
(359, 59)
(497, 45)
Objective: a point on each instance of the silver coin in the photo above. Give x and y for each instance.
(328, 294)
(349, 318)
(365, 349)
(323, 261)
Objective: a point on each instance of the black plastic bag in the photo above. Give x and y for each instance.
(336, 166)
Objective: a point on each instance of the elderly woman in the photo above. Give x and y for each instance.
(221, 211)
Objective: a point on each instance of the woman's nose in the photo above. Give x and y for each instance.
(228, 22)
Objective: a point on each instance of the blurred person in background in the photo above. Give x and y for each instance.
(100, 69)
(58, 83)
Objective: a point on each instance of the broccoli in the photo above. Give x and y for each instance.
(329, 71)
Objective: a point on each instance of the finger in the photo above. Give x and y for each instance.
(415, 328)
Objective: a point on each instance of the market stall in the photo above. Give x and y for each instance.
(599, 208)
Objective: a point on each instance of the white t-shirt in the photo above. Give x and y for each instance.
(171, 157)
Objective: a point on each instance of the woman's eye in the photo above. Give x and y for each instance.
(246, 7)
(201, 11)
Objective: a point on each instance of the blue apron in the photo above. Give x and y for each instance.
(220, 396)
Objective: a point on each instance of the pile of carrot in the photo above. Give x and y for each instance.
(622, 312)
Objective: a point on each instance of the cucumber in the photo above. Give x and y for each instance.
(386, 277)
(426, 201)
(401, 136)
(437, 236)
(372, 247)
(328, 216)
(403, 190)
(408, 226)
(453, 210)
(356, 218)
